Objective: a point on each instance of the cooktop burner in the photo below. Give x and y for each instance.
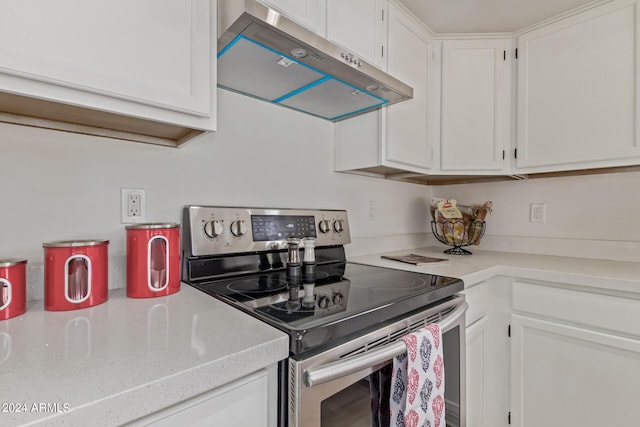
(260, 284)
(344, 298)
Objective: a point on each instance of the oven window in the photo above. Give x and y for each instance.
(358, 405)
(350, 407)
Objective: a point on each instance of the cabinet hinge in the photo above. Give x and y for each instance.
(509, 418)
(515, 153)
(503, 154)
(516, 53)
(504, 55)
(509, 331)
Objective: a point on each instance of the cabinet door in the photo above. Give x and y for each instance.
(409, 59)
(478, 393)
(308, 13)
(475, 119)
(578, 91)
(153, 52)
(566, 376)
(358, 25)
(242, 403)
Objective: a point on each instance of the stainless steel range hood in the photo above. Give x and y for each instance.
(267, 56)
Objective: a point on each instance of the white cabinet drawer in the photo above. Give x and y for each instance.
(600, 311)
(479, 303)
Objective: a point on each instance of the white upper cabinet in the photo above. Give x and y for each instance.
(151, 60)
(578, 91)
(394, 140)
(409, 60)
(475, 119)
(359, 25)
(308, 13)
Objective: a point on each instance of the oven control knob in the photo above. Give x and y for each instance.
(323, 302)
(324, 226)
(338, 225)
(337, 298)
(213, 228)
(239, 228)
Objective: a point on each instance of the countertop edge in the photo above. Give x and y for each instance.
(604, 275)
(119, 321)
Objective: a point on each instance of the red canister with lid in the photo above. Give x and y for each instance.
(76, 274)
(13, 288)
(153, 260)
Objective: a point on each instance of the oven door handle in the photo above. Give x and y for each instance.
(325, 373)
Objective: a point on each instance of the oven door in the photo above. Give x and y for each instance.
(334, 388)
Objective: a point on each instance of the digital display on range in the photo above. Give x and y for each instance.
(282, 227)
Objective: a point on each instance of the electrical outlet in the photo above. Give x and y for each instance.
(132, 205)
(537, 213)
(372, 210)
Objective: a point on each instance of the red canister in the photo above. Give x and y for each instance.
(13, 288)
(153, 260)
(76, 274)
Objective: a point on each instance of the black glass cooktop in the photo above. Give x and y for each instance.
(341, 299)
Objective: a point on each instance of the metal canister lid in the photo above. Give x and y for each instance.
(10, 262)
(150, 226)
(73, 243)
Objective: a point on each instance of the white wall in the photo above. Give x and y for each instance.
(64, 186)
(592, 215)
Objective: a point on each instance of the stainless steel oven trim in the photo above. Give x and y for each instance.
(304, 401)
(330, 371)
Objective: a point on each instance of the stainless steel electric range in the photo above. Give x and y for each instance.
(287, 267)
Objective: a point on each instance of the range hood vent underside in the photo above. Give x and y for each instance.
(253, 69)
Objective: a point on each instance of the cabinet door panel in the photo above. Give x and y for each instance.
(476, 375)
(309, 13)
(567, 376)
(409, 60)
(473, 105)
(577, 89)
(358, 26)
(150, 51)
(242, 403)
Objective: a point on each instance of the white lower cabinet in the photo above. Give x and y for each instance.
(566, 376)
(242, 403)
(478, 349)
(575, 358)
(487, 353)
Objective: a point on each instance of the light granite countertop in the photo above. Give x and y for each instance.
(126, 358)
(482, 265)
(116, 362)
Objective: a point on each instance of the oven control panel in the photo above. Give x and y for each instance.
(212, 230)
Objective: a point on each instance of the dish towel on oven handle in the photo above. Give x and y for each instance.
(417, 388)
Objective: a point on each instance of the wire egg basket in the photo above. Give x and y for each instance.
(457, 233)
